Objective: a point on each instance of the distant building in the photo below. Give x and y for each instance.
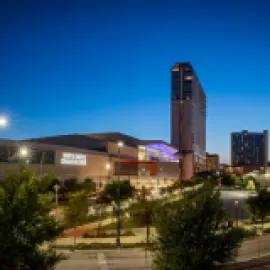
(238, 170)
(212, 162)
(188, 119)
(249, 148)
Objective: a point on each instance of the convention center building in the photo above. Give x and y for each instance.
(102, 157)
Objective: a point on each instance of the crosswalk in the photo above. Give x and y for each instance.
(102, 263)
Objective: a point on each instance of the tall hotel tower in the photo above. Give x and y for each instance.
(188, 119)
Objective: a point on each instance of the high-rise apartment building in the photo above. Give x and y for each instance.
(188, 119)
(249, 148)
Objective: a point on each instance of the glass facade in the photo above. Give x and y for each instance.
(176, 79)
(156, 152)
(11, 155)
(185, 80)
(186, 87)
(248, 149)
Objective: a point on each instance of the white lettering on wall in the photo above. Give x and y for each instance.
(73, 159)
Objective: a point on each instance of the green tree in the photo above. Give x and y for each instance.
(25, 223)
(142, 213)
(193, 233)
(259, 206)
(228, 179)
(47, 182)
(117, 188)
(88, 186)
(76, 210)
(253, 179)
(71, 184)
(201, 177)
(250, 186)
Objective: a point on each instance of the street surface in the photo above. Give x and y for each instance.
(136, 259)
(107, 260)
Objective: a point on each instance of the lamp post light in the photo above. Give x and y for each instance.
(120, 144)
(236, 208)
(24, 153)
(56, 188)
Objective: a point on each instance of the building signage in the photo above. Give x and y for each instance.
(73, 159)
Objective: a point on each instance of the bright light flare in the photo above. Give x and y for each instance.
(23, 151)
(120, 144)
(3, 121)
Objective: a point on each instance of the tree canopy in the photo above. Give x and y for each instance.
(142, 214)
(193, 233)
(25, 223)
(88, 186)
(229, 179)
(259, 206)
(110, 191)
(77, 209)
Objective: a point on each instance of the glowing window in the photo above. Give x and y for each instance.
(188, 78)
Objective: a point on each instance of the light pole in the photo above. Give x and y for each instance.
(120, 144)
(218, 178)
(259, 233)
(236, 205)
(41, 163)
(108, 168)
(56, 188)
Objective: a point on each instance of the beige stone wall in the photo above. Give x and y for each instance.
(125, 150)
(168, 170)
(95, 167)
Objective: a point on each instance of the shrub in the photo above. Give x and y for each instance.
(246, 233)
(267, 230)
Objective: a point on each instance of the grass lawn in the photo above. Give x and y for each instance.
(125, 224)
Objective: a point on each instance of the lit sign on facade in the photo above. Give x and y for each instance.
(73, 159)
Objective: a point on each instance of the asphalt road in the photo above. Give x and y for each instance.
(107, 260)
(136, 259)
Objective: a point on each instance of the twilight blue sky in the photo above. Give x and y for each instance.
(93, 66)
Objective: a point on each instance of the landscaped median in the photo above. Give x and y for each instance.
(99, 246)
(107, 240)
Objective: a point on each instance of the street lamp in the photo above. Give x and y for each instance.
(23, 152)
(236, 205)
(120, 144)
(3, 121)
(218, 178)
(56, 188)
(259, 233)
